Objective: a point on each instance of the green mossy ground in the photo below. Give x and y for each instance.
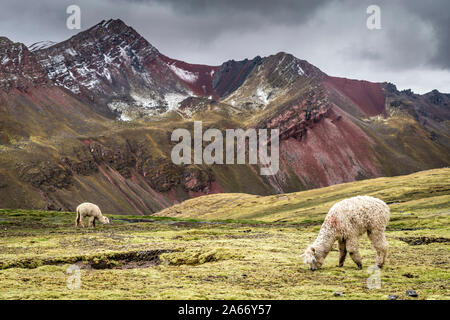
(255, 254)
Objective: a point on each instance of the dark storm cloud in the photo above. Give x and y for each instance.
(437, 14)
(282, 11)
(204, 20)
(407, 22)
(412, 48)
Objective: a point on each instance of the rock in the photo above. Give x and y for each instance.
(435, 97)
(295, 121)
(408, 275)
(408, 92)
(390, 87)
(45, 175)
(392, 297)
(411, 293)
(52, 207)
(19, 67)
(338, 294)
(396, 103)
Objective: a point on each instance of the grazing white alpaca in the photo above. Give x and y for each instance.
(92, 211)
(346, 221)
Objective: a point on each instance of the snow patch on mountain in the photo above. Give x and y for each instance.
(300, 71)
(119, 106)
(124, 117)
(141, 105)
(145, 102)
(174, 99)
(263, 95)
(184, 75)
(71, 52)
(41, 45)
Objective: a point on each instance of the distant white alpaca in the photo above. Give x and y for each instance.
(92, 211)
(346, 221)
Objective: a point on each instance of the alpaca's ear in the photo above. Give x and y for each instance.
(313, 250)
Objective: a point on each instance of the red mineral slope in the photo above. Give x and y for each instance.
(368, 96)
(332, 150)
(197, 77)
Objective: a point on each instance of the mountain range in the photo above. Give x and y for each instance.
(90, 119)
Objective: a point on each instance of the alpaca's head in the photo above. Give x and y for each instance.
(312, 258)
(104, 220)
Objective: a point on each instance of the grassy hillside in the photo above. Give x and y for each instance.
(254, 256)
(428, 191)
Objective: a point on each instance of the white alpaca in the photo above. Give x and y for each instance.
(346, 221)
(92, 211)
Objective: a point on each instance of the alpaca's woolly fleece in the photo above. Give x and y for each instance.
(92, 211)
(346, 221)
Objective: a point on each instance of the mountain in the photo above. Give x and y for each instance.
(111, 65)
(18, 67)
(90, 119)
(31, 106)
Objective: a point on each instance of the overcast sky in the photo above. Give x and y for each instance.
(412, 48)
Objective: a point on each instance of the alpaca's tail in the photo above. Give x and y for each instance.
(77, 221)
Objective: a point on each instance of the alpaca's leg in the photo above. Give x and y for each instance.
(352, 248)
(380, 244)
(342, 252)
(91, 221)
(77, 219)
